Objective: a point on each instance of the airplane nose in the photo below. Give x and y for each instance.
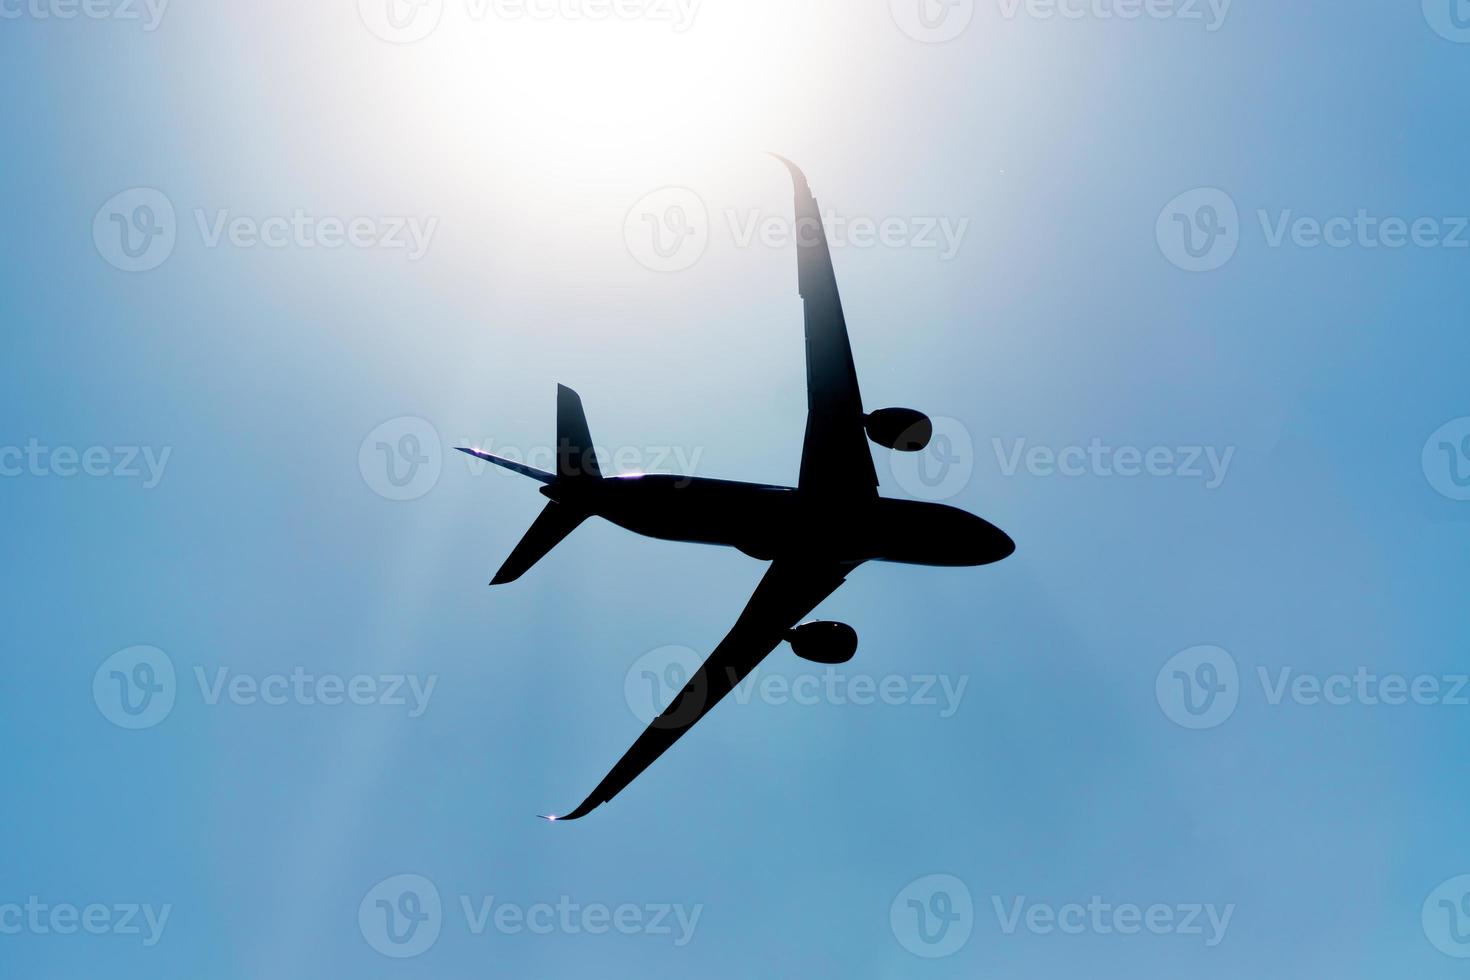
(991, 543)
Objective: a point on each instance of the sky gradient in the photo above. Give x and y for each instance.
(1185, 292)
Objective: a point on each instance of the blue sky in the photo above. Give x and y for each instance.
(1202, 723)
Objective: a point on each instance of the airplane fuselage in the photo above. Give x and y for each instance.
(770, 522)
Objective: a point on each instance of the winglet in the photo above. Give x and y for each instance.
(588, 805)
(797, 176)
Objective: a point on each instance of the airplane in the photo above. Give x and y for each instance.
(813, 534)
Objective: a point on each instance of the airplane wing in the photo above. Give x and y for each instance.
(835, 460)
(789, 590)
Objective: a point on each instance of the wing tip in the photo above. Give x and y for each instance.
(796, 175)
(587, 807)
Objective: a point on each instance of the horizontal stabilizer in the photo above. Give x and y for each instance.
(510, 464)
(554, 523)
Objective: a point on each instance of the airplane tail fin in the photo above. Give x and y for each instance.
(575, 457)
(555, 522)
(575, 461)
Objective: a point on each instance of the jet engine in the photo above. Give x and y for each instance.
(824, 642)
(904, 429)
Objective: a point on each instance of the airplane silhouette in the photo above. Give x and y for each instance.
(813, 534)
